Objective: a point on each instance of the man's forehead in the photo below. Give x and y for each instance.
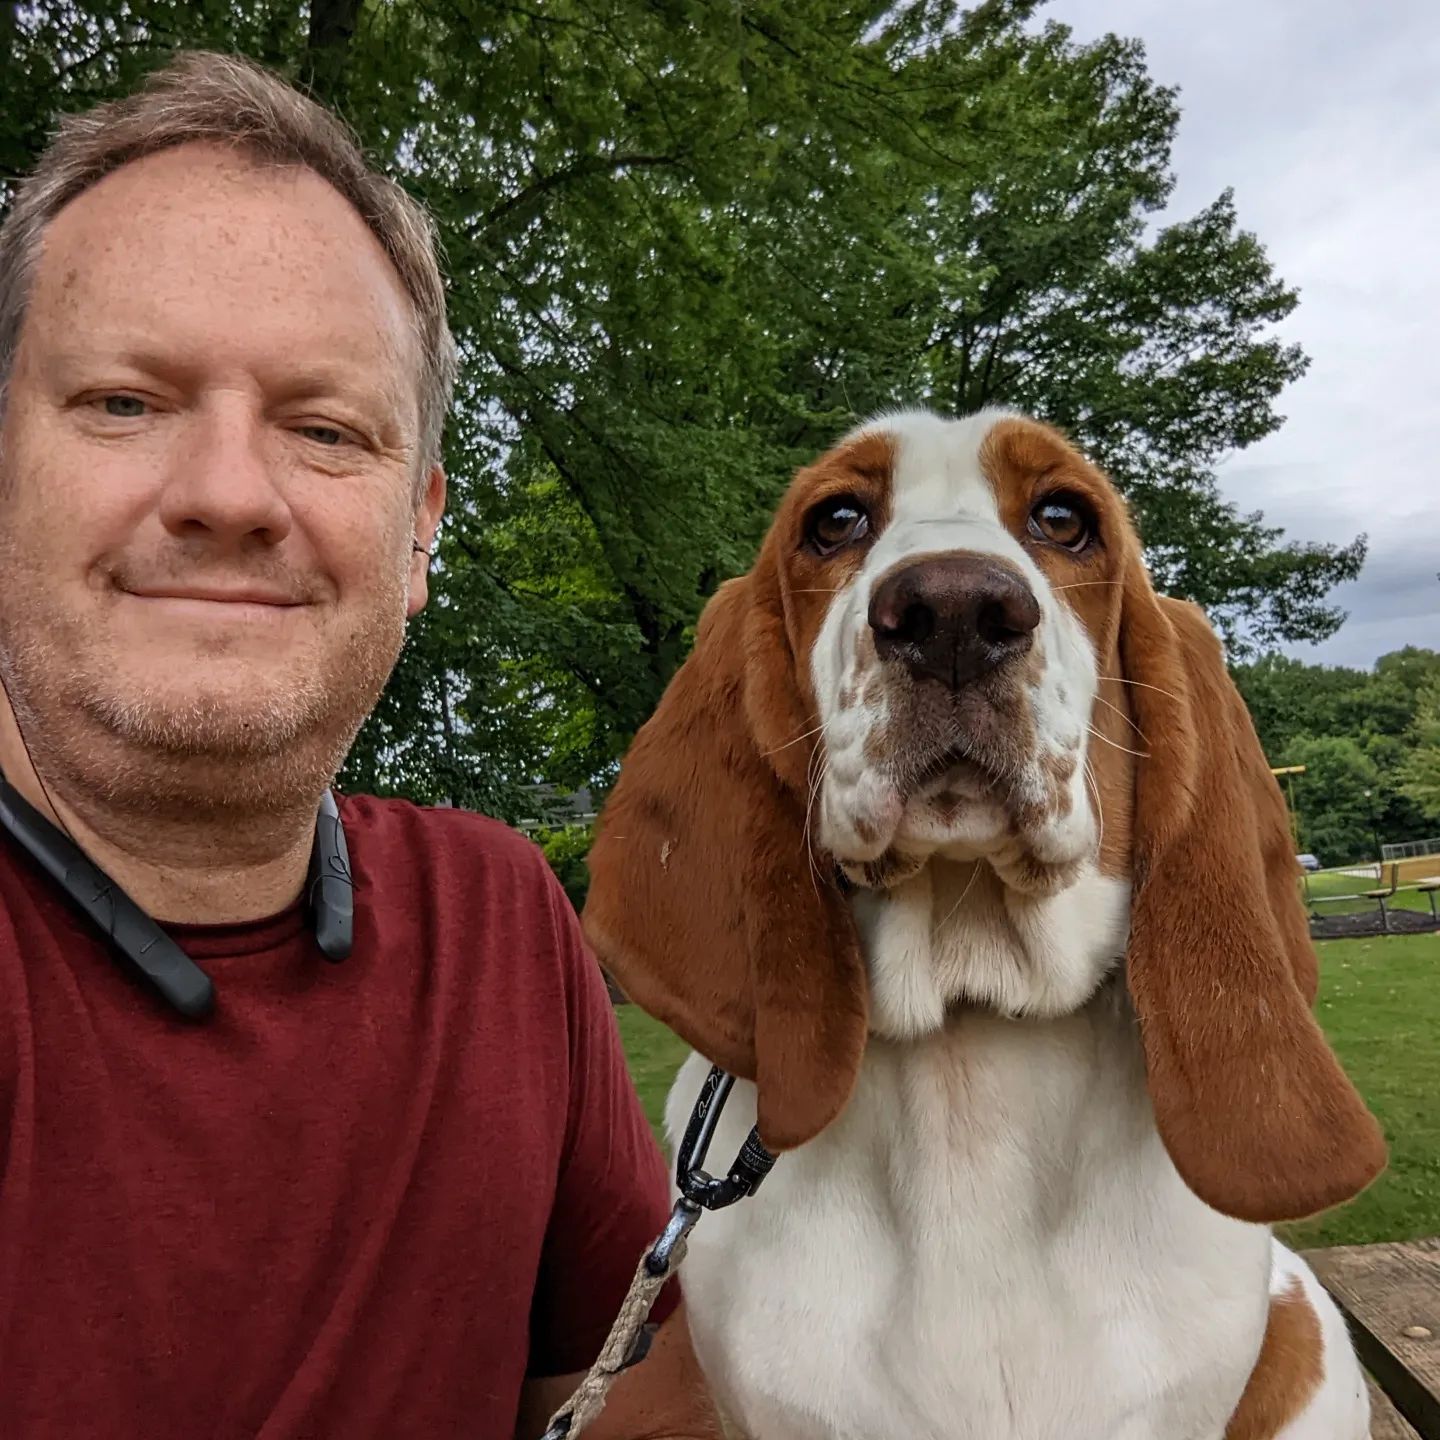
(203, 178)
(200, 219)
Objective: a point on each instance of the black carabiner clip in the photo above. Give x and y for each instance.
(750, 1166)
(700, 1191)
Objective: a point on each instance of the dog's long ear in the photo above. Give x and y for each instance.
(1252, 1105)
(705, 902)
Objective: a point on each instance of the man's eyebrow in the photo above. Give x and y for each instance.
(350, 381)
(344, 380)
(100, 352)
(392, 411)
(96, 352)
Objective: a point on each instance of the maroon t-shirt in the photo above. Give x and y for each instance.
(361, 1200)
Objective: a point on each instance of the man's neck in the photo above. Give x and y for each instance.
(212, 865)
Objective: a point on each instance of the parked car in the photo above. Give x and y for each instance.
(1308, 862)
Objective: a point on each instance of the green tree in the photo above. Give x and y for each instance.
(1377, 709)
(1335, 800)
(1412, 668)
(689, 245)
(565, 848)
(1288, 698)
(1420, 776)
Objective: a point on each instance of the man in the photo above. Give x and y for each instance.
(402, 1195)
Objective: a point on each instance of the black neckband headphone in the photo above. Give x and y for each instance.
(138, 940)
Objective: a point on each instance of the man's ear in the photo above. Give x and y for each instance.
(427, 522)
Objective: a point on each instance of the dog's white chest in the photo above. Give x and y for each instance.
(991, 1242)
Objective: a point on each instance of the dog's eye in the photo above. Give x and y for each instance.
(835, 523)
(1063, 520)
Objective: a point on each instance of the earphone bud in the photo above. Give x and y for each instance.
(420, 549)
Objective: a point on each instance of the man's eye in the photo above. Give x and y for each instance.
(323, 434)
(836, 523)
(124, 407)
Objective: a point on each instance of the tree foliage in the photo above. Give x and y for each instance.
(690, 244)
(1336, 801)
(1420, 772)
(1352, 730)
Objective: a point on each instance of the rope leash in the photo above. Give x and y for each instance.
(698, 1192)
(621, 1345)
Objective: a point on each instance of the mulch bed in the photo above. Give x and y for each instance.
(1345, 927)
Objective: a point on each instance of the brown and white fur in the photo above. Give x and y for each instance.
(1042, 1063)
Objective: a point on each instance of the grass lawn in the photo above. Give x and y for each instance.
(1380, 1006)
(655, 1054)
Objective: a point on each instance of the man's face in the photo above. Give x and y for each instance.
(207, 462)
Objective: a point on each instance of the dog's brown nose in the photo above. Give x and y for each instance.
(953, 618)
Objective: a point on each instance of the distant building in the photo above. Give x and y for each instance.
(554, 807)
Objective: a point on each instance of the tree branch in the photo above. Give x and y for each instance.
(586, 165)
(327, 48)
(595, 684)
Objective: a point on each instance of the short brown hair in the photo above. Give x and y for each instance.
(224, 99)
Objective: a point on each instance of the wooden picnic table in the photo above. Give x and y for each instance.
(1390, 1294)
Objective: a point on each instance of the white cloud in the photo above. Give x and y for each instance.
(1324, 117)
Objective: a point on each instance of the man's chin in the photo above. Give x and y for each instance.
(152, 727)
(220, 722)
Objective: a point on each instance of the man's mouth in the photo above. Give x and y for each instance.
(217, 595)
(209, 612)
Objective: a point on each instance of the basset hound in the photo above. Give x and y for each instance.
(954, 840)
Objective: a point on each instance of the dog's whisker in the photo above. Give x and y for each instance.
(969, 885)
(807, 836)
(812, 804)
(1139, 684)
(815, 754)
(1115, 745)
(1094, 786)
(1101, 700)
(816, 783)
(805, 735)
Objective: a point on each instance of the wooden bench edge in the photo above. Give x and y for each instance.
(1415, 1403)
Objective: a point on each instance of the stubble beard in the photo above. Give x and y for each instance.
(158, 749)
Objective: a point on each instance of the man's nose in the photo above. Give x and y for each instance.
(224, 477)
(953, 618)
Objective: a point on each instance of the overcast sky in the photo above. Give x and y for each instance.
(1324, 117)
